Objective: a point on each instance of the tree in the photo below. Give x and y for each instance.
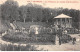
(46, 14)
(9, 10)
(23, 10)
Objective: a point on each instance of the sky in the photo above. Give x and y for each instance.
(70, 4)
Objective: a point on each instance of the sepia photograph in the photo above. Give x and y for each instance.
(39, 25)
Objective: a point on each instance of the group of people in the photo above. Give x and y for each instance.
(61, 33)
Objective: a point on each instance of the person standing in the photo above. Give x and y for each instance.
(60, 34)
(60, 31)
(59, 40)
(74, 39)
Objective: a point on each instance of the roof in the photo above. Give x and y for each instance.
(62, 16)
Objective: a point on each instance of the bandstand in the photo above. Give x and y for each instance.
(63, 20)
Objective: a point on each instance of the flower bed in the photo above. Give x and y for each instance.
(22, 37)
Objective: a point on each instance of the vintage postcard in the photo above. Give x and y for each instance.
(39, 25)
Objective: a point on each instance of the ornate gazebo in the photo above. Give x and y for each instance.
(63, 20)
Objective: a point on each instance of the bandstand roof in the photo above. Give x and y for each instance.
(62, 16)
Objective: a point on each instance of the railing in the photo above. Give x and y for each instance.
(12, 47)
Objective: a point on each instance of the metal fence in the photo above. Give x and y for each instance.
(11, 47)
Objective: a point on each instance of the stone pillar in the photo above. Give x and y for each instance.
(36, 30)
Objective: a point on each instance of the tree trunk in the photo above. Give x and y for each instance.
(47, 21)
(24, 20)
(32, 20)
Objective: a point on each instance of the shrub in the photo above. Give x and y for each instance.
(22, 37)
(15, 37)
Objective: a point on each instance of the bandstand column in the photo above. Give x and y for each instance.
(69, 22)
(61, 21)
(65, 22)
